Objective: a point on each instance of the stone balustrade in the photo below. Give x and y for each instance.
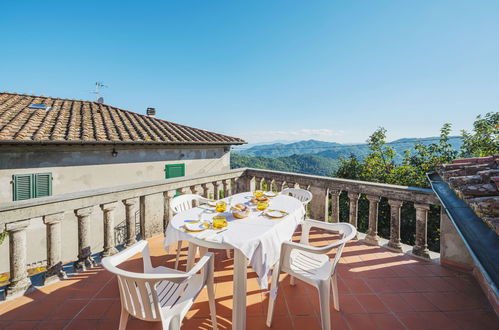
(139, 199)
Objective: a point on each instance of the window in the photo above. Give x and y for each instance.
(26, 186)
(174, 170)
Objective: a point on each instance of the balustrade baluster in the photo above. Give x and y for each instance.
(54, 251)
(130, 211)
(217, 188)
(372, 234)
(319, 205)
(335, 204)
(85, 259)
(109, 244)
(227, 188)
(233, 186)
(420, 249)
(19, 281)
(258, 183)
(353, 213)
(206, 190)
(394, 242)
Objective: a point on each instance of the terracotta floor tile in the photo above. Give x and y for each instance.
(359, 321)
(40, 310)
(300, 305)
(475, 319)
(23, 325)
(379, 285)
(398, 284)
(371, 303)
(418, 302)
(69, 309)
(357, 285)
(96, 309)
(349, 304)
(395, 303)
(83, 324)
(280, 307)
(306, 322)
(452, 301)
(51, 325)
(413, 321)
(387, 321)
(439, 320)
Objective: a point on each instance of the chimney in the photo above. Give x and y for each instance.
(151, 112)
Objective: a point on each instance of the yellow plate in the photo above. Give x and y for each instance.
(276, 214)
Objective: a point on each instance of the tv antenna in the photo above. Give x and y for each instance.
(98, 86)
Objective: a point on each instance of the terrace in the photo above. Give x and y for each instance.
(383, 284)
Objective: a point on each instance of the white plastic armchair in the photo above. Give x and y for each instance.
(312, 265)
(183, 203)
(160, 293)
(302, 195)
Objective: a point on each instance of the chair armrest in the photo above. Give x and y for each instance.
(203, 263)
(309, 223)
(288, 246)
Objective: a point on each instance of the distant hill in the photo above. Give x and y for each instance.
(334, 151)
(306, 164)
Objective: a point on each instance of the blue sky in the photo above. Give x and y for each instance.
(265, 70)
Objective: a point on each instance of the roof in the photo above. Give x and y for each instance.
(86, 122)
(476, 181)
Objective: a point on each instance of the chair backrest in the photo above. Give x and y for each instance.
(184, 202)
(302, 195)
(138, 291)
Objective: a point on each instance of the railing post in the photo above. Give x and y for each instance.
(394, 242)
(109, 244)
(335, 204)
(216, 189)
(372, 235)
(279, 185)
(19, 281)
(269, 181)
(233, 185)
(168, 213)
(206, 190)
(54, 249)
(353, 208)
(130, 209)
(319, 206)
(420, 249)
(227, 188)
(258, 183)
(85, 259)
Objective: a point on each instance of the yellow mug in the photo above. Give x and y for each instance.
(219, 222)
(221, 206)
(258, 193)
(261, 206)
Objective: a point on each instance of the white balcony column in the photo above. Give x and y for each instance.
(335, 204)
(420, 249)
(279, 185)
(109, 244)
(258, 183)
(269, 182)
(372, 234)
(19, 281)
(168, 213)
(54, 248)
(217, 188)
(394, 243)
(206, 190)
(233, 185)
(227, 188)
(353, 213)
(319, 205)
(130, 213)
(85, 259)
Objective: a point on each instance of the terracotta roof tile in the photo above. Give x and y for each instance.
(476, 181)
(74, 121)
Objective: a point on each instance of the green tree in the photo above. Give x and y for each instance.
(484, 139)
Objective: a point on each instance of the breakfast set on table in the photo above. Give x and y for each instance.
(257, 226)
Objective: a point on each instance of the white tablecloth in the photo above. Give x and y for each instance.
(258, 237)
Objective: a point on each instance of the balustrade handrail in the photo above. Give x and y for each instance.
(32, 208)
(403, 193)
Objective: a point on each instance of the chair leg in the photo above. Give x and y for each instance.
(123, 318)
(210, 286)
(228, 253)
(292, 280)
(191, 255)
(324, 296)
(336, 297)
(273, 294)
(177, 258)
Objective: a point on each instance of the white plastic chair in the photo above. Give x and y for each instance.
(160, 293)
(302, 195)
(183, 203)
(312, 265)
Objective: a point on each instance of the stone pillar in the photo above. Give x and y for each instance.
(258, 183)
(109, 244)
(227, 187)
(54, 248)
(420, 249)
(151, 214)
(335, 204)
(372, 235)
(85, 259)
(168, 213)
(233, 185)
(197, 190)
(206, 190)
(19, 281)
(217, 188)
(279, 185)
(394, 242)
(269, 181)
(319, 205)
(354, 207)
(130, 210)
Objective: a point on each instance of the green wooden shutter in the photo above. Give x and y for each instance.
(23, 186)
(174, 170)
(43, 184)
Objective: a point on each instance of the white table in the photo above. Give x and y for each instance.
(257, 238)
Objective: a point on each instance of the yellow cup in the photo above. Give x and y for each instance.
(258, 193)
(219, 222)
(261, 206)
(221, 206)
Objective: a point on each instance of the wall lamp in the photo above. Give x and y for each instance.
(114, 153)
